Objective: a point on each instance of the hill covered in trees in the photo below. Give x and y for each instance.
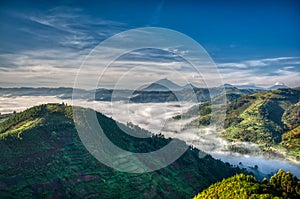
(269, 119)
(42, 156)
(281, 185)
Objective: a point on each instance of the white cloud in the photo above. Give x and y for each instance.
(263, 72)
(153, 117)
(290, 78)
(232, 64)
(255, 62)
(288, 67)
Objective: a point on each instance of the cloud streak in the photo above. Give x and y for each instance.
(262, 72)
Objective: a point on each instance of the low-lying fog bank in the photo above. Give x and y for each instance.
(259, 165)
(155, 117)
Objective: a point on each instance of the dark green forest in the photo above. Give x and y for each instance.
(43, 157)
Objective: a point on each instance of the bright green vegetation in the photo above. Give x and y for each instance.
(291, 117)
(240, 186)
(3, 117)
(260, 117)
(43, 157)
(265, 118)
(270, 119)
(291, 143)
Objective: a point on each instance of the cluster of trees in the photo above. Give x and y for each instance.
(281, 185)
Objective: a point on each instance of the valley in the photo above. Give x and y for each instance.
(156, 117)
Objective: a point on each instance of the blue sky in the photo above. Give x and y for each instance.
(252, 42)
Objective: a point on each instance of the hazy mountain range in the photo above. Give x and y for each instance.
(162, 90)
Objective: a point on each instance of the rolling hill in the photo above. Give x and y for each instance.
(43, 157)
(270, 119)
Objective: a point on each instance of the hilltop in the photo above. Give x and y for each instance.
(42, 156)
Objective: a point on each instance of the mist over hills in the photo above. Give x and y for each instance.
(43, 140)
(163, 90)
(269, 119)
(42, 156)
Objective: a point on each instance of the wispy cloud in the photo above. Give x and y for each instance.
(262, 72)
(77, 30)
(58, 41)
(256, 62)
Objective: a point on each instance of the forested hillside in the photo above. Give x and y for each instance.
(43, 157)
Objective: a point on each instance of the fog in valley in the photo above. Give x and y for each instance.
(157, 118)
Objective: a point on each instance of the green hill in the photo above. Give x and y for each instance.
(43, 157)
(264, 118)
(260, 117)
(240, 186)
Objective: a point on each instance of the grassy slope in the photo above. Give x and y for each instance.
(42, 156)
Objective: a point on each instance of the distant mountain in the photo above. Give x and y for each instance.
(278, 85)
(227, 86)
(189, 86)
(190, 94)
(162, 85)
(42, 156)
(161, 91)
(249, 86)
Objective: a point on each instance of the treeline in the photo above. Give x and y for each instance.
(281, 185)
